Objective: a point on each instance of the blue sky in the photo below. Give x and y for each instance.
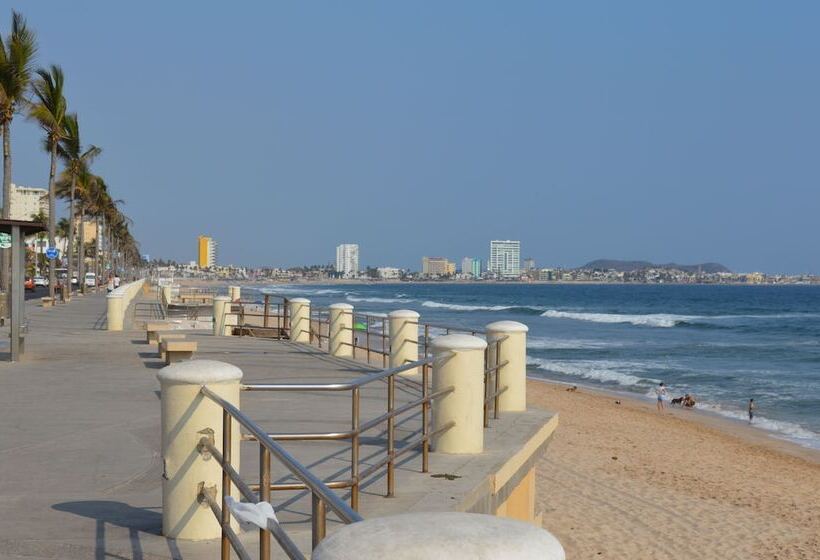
(635, 130)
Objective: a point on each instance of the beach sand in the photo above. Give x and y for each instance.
(623, 481)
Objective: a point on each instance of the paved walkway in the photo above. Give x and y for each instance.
(80, 469)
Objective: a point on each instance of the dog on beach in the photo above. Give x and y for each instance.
(572, 389)
(678, 401)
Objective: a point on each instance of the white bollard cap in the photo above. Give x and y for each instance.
(507, 326)
(403, 314)
(439, 536)
(343, 306)
(299, 300)
(199, 372)
(458, 342)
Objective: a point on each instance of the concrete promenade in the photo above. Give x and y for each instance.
(80, 469)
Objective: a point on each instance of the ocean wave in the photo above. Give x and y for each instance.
(299, 290)
(355, 299)
(461, 307)
(780, 428)
(597, 370)
(651, 320)
(542, 343)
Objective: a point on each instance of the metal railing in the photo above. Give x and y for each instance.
(266, 318)
(322, 495)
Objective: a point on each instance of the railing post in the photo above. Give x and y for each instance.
(267, 311)
(458, 361)
(354, 448)
(318, 519)
(299, 320)
(264, 496)
(404, 339)
(222, 304)
(513, 375)
(187, 417)
(341, 329)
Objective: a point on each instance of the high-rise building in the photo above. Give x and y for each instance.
(437, 266)
(471, 267)
(27, 201)
(505, 258)
(529, 264)
(206, 251)
(347, 260)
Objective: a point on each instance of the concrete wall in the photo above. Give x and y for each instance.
(119, 301)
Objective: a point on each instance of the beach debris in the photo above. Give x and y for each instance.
(252, 516)
(572, 389)
(445, 476)
(614, 458)
(617, 402)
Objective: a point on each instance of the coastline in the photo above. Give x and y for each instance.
(624, 481)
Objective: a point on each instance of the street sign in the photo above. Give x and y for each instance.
(5, 240)
(51, 253)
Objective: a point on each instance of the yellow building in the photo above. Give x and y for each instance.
(206, 254)
(437, 266)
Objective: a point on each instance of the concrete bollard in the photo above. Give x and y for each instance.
(513, 375)
(167, 294)
(299, 320)
(220, 305)
(341, 329)
(439, 536)
(404, 338)
(115, 312)
(235, 293)
(458, 361)
(187, 417)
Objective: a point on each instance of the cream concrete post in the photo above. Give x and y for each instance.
(458, 361)
(115, 312)
(513, 375)
(404, 338)
(235, 293)
(187, 417)
(341, 329)
(436, 535)
(167, 294)
(300, 320)
(220, 303)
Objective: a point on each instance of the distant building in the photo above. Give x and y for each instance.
(347, 260)
(529, 264)
(388, 273)
(546, 275)
(471, 267)
(27, 201)
(437, 266)
(206, 251)
(505, 258)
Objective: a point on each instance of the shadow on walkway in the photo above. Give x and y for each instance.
(118, 514)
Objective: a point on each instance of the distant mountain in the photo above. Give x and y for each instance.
(629, 266)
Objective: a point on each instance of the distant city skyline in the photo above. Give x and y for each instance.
(637, 131)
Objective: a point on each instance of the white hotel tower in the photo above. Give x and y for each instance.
(347, 260)
(505, 258)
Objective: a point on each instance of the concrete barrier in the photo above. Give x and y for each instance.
(187, 417)
(439, 536)
(513, 375)
(118, 302)
(341, 329)
(404, 338)
(235, 293)
(458, 361)
(222, 304)
(299, 320)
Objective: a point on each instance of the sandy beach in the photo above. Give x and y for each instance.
(623, 481)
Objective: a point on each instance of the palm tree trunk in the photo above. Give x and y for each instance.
(70, 252)
(81, 251)
(5, 254)
(52, 219)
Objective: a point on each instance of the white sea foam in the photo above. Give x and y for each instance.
(598, 370)
(462, 307)
(355, 299)
(650, 320)
(780, 428)
(299, 290)
(543, 343)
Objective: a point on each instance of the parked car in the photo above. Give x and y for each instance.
(29, 284)
(41, 281)
(90, 279)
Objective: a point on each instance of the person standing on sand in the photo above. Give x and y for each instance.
(752, 408)
(661, 392)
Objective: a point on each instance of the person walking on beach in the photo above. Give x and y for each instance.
(752, 408)
(661, 392)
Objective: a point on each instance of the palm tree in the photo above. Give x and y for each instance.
(49, 110)
(76, 161)
(39, 217)
(16, 64)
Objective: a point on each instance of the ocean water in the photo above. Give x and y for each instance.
(723, 344)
